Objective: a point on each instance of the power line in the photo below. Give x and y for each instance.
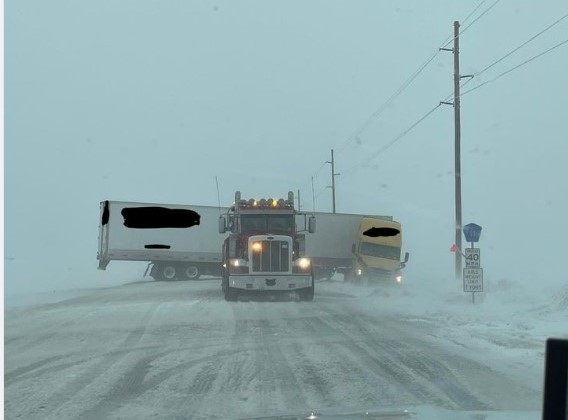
(473, 11)
(389, 101)
(515, 67)
(517, 48)
(475, 20)
(416, 123)
(480, 16)
(403, 87)
(523, 44)
(353, 169)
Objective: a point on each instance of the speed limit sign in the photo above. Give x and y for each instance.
(472, 258)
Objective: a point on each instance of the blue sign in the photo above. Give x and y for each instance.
(472, 232)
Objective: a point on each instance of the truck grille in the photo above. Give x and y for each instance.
(273, 256)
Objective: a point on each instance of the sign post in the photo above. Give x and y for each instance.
(472, 273)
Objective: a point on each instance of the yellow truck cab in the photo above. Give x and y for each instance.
(377, 252)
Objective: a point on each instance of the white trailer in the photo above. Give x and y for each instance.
(330, 247)
(187, 253)
(173, 252)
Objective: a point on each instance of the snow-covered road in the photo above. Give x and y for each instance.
(163, 350)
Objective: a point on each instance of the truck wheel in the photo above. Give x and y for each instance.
(231, 294)
(168, 272)
(308, 293)
(192, 272)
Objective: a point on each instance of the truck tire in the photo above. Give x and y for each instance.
(168, 272)
(307, 294)
(231, 294)
(192, 272)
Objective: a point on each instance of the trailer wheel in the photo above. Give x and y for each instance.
(168, 272)
(192, 272)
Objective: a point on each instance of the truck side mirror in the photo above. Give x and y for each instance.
(312, 224)
(403, 264)
(353, 248)
(222, 225)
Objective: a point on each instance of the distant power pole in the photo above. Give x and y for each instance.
(299, 206)
(313, 195)
(333, 175)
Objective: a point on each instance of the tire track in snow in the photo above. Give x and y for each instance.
(415, 372)
(63, 396)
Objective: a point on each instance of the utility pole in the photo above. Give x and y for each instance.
(299, 206)
(457, 128)
(333, 175)
(313, 195)
(457, 147)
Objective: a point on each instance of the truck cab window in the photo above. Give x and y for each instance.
(279, 224)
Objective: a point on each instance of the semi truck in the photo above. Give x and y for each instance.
(365, 248)
(361, 247)
(173, 253)
(265, 249)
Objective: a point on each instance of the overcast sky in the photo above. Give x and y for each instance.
(150, 100)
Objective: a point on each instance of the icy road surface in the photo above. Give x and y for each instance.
(177, 349)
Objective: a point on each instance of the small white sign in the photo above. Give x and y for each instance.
(472, 258)
(473, 279)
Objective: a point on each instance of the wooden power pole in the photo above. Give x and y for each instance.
(457, 142)
(333, 179)
(457, 128)
(333, 175)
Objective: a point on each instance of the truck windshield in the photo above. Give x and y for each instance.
(262, 223)
(379, 250)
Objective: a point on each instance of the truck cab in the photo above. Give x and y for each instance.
(264, 249)
(377, 252)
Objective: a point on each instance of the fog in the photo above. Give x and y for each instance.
(150, 101)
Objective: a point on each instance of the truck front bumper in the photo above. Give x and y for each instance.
(268, 282)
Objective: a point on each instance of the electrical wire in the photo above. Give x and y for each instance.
(523, 44)
(388, 102)
(416, 123)
(404, 85)
(354, 169)
(402, 88)
(515, 67)
(473, 11)
(475, 20)
(516, 49)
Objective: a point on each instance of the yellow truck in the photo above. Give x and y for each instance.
(364, 248)
(377, 251)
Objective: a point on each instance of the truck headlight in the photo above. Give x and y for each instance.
(238, 262)
(359, 272)
(238, 266)
(302, 264)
